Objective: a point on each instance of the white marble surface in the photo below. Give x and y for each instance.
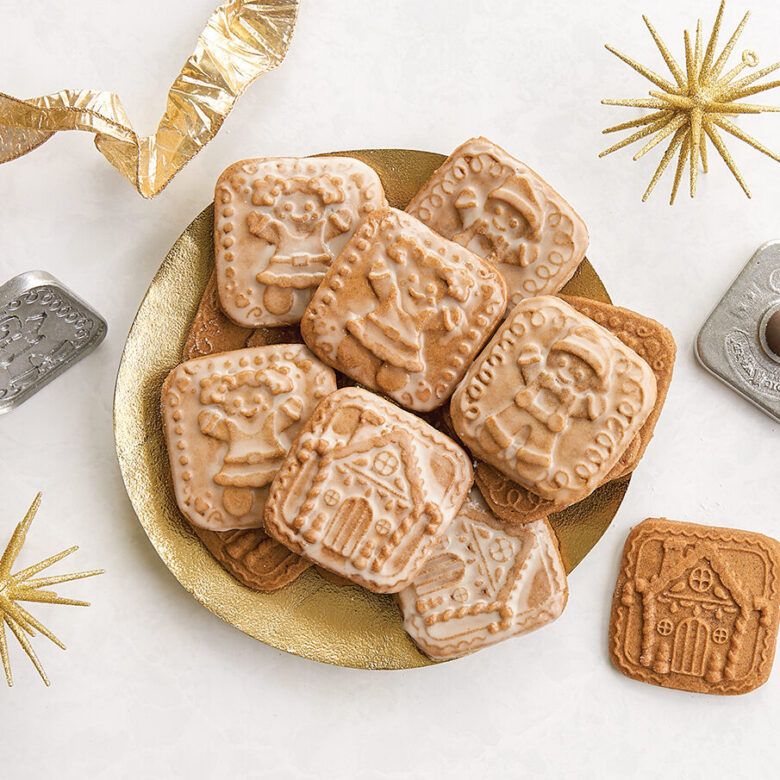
(152, 684)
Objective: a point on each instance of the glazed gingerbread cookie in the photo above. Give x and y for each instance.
(654, 344)
(484, 199)
(367, 490)
(404, 311)
(487, 581)
(696, 607)
(229, 420)
(278, 224)
(553, 401)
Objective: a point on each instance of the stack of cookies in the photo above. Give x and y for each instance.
(435, 353)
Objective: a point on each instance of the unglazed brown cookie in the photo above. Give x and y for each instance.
(696, 607)
(553, 400)
(253, 558)
(487, 581)
(404, 311)
(367, 490)
(229, 421)
(486, 200)
(652, 342)
(278, 223)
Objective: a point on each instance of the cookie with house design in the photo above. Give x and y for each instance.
(278, 224)
(553, 401)
(655, 345)
(229, 421)
(696, 607)
(486, 200)
(404, 311)
(367, 490)
(487, 581)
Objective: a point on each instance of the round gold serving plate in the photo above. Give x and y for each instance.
(310, 617)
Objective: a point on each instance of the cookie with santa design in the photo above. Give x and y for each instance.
(696, 607)
(486, 582)
(229, 421)
(278, 224)
(404, 311)
(486, 200)
(553, 401)
(653, 343)
(367, 490)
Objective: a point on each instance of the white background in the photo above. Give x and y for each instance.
(152, 684)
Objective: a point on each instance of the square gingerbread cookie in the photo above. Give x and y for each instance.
(278, 223)
(553, 400)
(486, 200)
(367, 490)
(404, 311)
(487, 581)
(229, 421)
(696, 607)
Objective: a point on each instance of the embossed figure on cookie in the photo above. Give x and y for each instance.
(491, 203)
(570, 384)
(695, 607)
(583, 396)
(402, 310)
(248, 421)
(367, 490)
(486, 582)
(278, 225)
(230, 419)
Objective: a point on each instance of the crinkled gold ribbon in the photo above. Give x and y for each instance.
(242, 40)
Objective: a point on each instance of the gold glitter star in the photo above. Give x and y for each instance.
(22, 587)
(693, 108)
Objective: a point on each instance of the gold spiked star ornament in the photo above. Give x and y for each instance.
(24, 586)
(696, 106)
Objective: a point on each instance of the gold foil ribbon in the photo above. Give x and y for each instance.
(242, 40)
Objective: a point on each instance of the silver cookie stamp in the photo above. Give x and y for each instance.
(44, 330)
(740, 341)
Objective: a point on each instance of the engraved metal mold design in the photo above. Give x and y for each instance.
(44, 330)
(732, 343)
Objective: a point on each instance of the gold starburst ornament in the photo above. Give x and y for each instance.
(696, 106)
(24, 586)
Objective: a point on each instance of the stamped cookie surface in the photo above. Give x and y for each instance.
(278, 223)
(696, 607)
(486, 582)
(367, 490)
(486, 200)
(229, 420)
(655, 345)
(553, 400)
(403, 310)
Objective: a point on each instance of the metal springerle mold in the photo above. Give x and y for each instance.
(44, 330)
(732, 343)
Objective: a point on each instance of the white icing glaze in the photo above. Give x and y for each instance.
(278, 223)
(553, 400)
(403, 310)
(367, 490)
(487, 581)
(486, 200)
(230, 419)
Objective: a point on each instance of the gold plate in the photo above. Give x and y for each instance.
(310, 617)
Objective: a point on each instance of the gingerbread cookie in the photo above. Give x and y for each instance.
(251, 556)
(696, 607)
(652, 342)
(367, 490)
(278, 223)
(486, 200)
(229, 421)
(404, 311)
(553, 400)
(487, 581)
